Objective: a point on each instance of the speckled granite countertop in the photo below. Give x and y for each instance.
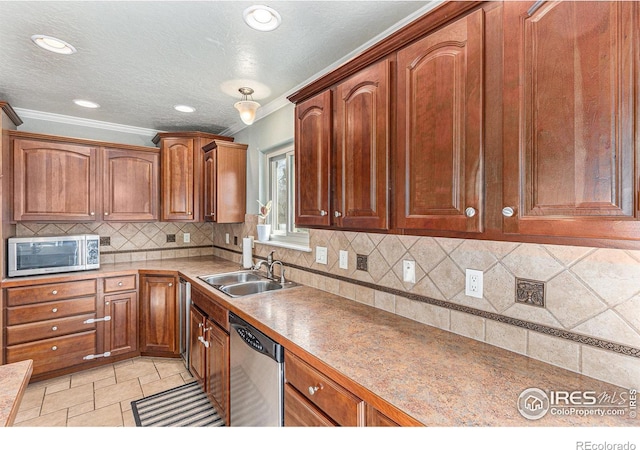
(14, 379)
(435, 376)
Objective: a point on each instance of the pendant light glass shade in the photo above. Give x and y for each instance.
(246, 107)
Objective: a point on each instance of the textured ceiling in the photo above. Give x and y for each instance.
(139, 59)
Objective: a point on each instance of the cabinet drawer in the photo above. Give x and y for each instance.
(299, 412)
(50, 310)
(18, 334)
(214, 311)
(339, 404)
(49, 292)
(123, 283)
(55, 353)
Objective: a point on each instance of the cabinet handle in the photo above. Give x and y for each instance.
(337, 213)
(54, 292)
(470, 212)
(507, 211)
(54, 310)
(323, 212)
(102, 319)
(205, 343)
(54, 348)
(313, 389)
(54, 328)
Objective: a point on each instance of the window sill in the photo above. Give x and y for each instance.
(282, 244)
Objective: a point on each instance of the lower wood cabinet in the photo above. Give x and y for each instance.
(209, 355)
(121, 332)
(159, 316)
(314, 399)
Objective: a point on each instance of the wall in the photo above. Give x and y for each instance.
(133, 241)
(590, 323)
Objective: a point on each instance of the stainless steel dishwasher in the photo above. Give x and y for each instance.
(256, 377)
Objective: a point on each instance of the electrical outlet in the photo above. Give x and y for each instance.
(409, 271)
(235, 240)
(344, 259)
(186, 238)
(473, 283)
(321, 255)
(226, 238)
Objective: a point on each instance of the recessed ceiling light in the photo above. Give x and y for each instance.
(86, 103)
(184, 108)
(52, 44)
(262, 18)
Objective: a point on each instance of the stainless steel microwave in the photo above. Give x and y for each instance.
(53, 254)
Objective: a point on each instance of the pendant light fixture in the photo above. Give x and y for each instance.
(246, 107)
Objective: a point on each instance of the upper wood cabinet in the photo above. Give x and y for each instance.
(362, 127)
(571, 94)
(225, 182)
(182, 162)
(54, 181)
(130, 186)
(439, 163)
(313, 130)
(73, 180)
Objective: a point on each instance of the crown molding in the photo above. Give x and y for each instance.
(91, 123)
(11, 113)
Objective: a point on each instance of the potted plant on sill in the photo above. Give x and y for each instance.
(264, 229)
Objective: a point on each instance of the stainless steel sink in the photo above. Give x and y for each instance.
(250, 287)
(244, 282)
(231, 278)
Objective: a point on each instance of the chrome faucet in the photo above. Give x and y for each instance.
(282, 280)
(270, 262)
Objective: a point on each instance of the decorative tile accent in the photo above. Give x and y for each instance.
(361, 262)
(171, 237)
(105, 241)
(530, 292)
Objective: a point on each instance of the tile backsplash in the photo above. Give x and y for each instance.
(590, 321)
(133, 241)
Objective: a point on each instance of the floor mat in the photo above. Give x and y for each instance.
(183, 406)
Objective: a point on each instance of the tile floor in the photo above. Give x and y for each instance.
(99, 397)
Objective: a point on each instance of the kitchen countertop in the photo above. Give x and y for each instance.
(14, 380)
(437, 377)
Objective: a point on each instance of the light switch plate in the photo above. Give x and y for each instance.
(473, 283)
(344, 259)
(186, 238)
(321, 255)
(409, 271)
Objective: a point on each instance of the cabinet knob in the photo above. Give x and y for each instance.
(54, 348)
(54, 310)
(170, 284)
(323, 212)
(337, 213)
(470, 212)
(313, 389)
(106, 214)
(92, 213)
(507, 211)
(119, 283)
(188, 213)
(106, 303)
(54, 328)
(54, 292)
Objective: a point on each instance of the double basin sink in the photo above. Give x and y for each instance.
(244, 282)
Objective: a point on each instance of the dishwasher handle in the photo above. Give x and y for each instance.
(256, 340)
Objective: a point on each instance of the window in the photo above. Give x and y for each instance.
(281, 191)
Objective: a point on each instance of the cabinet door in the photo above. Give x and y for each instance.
(362, 132)
(439, 165)
(197, 341)
(159, 323)
(570, 118)
(313, 160)
(121, 332)
(178, 182)
(130, 186)
(218, 368)
(54, 181)
(210, 183)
